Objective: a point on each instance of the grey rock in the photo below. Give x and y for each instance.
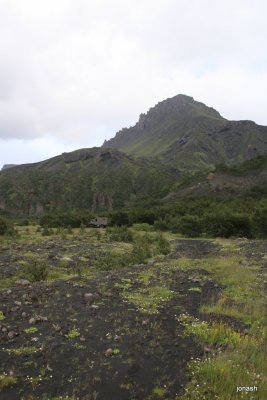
(108, 352)
(89, 297)
(22, 282)
(32, 321)
(11, 335)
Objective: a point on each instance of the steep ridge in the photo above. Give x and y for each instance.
(189, 135)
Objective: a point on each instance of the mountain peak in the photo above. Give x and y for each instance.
(163, 124)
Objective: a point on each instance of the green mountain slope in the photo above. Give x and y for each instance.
(94, 179)
(189, 135)
(171, 153)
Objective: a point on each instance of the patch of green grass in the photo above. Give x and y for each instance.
(79, 346)
(6, 283)
(244, 359)
(218, 377)
(159, 392)
(195, 289)
(7, 381)
(23, 350)
(145, 276)
(213, 334)
(2, 317)
(148, 300)
(30, 330)
(73, 333)
(124, 284)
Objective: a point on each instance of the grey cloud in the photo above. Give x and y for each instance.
(78, 71)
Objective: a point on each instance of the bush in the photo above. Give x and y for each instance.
(3, 226)
(141, 251)
(119, 219)
(190, 225)
(120, 234)
(143, 227)
(47, 232)
(162, 245)
(109, 261)
(227, 224)
(35, 270)
(259, 222)
(161, 225)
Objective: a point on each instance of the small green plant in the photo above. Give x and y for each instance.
(159, 392)
(148, 300)
(79, 346)
(7, 380)
(73, 333)
(195, 289)
(23, 350)
(2, 317)
(116, 351)
(214, 334)
(30, 330)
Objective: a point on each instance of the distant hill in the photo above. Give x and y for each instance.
(191, 136)
(95, 179)
(7, 166)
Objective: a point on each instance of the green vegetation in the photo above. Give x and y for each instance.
(120, 234)
(23, 350)
(3, 226)
(216, 334)
(35, 270)
(244, 359)
(159, 392)
(73, 333)
(148, 300)
(2, 317)
(31, 330)
(7, 381)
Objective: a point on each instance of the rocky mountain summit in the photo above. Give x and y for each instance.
(189, 135)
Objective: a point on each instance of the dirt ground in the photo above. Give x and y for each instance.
(80, 337)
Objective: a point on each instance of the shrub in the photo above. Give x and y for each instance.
(119, 218)
(3, 226)
(109, 261)
(143, 227)
(47, 232)
(227, 224)
(141, 251)
(120, 234)
(162, 245)
(190, 225)
(259, 222)
(35, 270)
(161, 225)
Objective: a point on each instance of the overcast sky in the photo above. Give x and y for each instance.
(73, 72)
